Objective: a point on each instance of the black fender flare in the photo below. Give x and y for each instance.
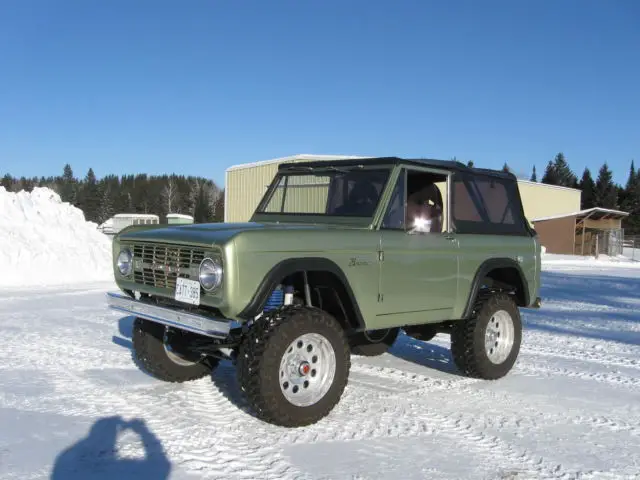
(290, 266)
(482, 272)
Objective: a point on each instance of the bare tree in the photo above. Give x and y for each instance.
(170, 194)
(214, 198)
(194, 193)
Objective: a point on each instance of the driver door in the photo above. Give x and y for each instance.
(419, 255)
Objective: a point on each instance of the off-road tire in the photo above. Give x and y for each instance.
(259, 357)
(363, 345)
(150, 353)
(468, 338)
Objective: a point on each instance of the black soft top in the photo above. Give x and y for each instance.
(450, 165)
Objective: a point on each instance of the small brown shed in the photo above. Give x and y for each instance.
(587, 232)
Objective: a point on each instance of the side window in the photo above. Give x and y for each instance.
(417, 203)
(464, 207)
(486, 205)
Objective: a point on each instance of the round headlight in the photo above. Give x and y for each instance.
(210, 274)
(125, 262)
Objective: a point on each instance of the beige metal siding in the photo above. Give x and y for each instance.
(540, 200)
(245, 187)
(304, 194)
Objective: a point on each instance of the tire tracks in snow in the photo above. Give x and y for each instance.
(582, 355)
(205, 429)
(614, 379)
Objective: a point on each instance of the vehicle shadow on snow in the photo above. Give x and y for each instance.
(425, 354)
(96, 455)
(125, 328)
(583, 324)
(603, 297)
(606, 290)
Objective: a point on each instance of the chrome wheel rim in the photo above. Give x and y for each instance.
(174, 355)
(307, 369)
(499, 337)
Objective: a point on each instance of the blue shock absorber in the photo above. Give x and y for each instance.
(275, 300)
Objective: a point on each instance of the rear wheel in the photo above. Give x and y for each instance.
(487, 344)
(293, 365)
(163, 352)
(371, 343)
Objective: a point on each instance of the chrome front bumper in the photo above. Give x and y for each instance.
(169, 316)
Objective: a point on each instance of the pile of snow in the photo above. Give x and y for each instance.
(44, 241)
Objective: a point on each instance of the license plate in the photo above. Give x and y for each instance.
(187, 291)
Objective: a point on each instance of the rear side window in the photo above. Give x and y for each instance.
(487, 205)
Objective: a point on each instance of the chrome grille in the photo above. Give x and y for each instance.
(160, 265)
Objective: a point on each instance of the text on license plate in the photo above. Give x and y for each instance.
(187, 291)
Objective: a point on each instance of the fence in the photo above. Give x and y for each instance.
(631, 247)
(609, 242)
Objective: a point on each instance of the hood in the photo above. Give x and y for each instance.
(204, 234)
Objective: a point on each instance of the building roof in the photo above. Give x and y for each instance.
(179, 215)
(595, 213)
(425, 162)
(293, 158)
(135, 215)
(548, 185)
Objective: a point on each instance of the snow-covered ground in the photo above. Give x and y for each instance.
(44, 241)
(72, 402)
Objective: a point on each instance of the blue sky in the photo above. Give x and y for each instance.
(193, 87)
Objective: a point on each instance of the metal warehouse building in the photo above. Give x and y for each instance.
(246, 184)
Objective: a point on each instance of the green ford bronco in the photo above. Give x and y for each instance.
(337, 258)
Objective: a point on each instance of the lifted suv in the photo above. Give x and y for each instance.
(337, 258)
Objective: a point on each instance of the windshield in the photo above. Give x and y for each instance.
(326, 191)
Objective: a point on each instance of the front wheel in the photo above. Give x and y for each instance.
(487, 344)
(162, 352)
(293, 366)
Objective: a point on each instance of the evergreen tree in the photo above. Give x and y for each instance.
(633, 178)
(606, 193)
(630, 202)
(550, 175)
(89, 199)
(105, 210)
(588, 187)
(559, 173)
(7, 182)
(470, 164)
(534, 177)
(68, 192)
(505, 168)
(565, 175)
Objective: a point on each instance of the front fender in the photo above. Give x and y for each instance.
(290, 266)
